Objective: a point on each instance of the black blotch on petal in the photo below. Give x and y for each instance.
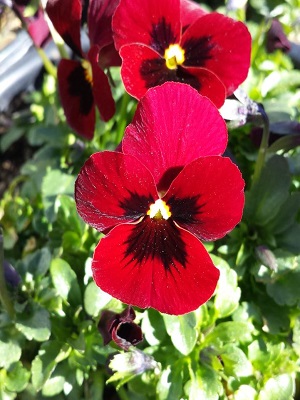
(79, 87)
(185, 210)
(157, 240)
(155, 72)
(162, 36)
(135, 204)
(198, 51)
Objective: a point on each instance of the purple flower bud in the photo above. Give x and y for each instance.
(276, 38)
(266, 257)
(10, 274)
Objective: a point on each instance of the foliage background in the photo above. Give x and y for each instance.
(243, 344)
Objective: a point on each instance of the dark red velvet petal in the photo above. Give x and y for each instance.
(172, 126)
(209, 85)
(113, 188)
(220, 44)
(65, 15)
(99, 21)
(151, 22)
(157, 265)
(76, 97)
(190, 12)
(109, 57)
(101, 88)
(207, 197)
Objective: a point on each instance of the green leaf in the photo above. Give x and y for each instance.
(287, 214)
(10, 137)
(228, 293)
(230, 331)
(95, 299)
(37, 263)
(153, 327)
(269, 193)
(67, 217)
(182, 332)
(285, 289)
(280, 81)
(280, 387)
(169, 386)
(65, 281)
(204, 384)
(17, 378)
(296, 336)
(289, 240)
(53, 386)
(45, 362)
(55, 183)
(235, 361)
(10, 352)
(35, 325)
(245, 392)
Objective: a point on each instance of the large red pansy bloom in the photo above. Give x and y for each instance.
(83, 83)
(167, 190)
(173, 40)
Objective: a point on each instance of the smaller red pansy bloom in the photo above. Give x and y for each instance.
(175, 40)
(156, 200)
(120, 328)
(82, 83)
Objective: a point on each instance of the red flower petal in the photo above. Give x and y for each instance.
(207, 197)
(66, 17)
(174, 125)
(101, 88)
(190, 12)
(151, 265)
(154, 23)
(210, 85)
(113, 188)
(99, 21)
(76, 97)
(229, 44)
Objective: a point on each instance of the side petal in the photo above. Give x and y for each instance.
(113, 188)
(220, 44)
(101, 88)
(190, 12)
(162, 266)
(150, 22)
(76, 97)
(100, 14)
(207, 197)
(175, 125)
(66, 17)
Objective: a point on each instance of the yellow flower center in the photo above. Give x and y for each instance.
(174, 55)
(159, 210)
(88, 74)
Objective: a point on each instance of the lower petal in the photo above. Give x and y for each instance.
(163, 267)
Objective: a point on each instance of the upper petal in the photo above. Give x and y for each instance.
(190, 12)
(207, 197)
(172, 126)
(221, 44)
(76, 97)
(163, 267)
(100, 14)
(113, 188)
(66, 17)
(151, 22)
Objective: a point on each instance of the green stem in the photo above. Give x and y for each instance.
(262, 149)
(4, 295)
(122, 120)
(122, 393)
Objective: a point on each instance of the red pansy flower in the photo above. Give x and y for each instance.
(168, 189)
(82, 83)
(120, 328)
(173, 40)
